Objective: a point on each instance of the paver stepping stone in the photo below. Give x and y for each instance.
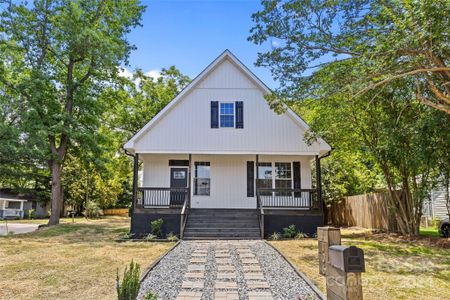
(223, 261)
(251, 268)
(226, 275)
(247, 255)
(259, 296)
(228, 295)
(250, 261)
(222, 255)
(226, 285)
(192, 284)
(254, 276)
(195, 260)
(199, 254)
(189, 295)
(253, 285)
(195, 275)
(196, 268)
(225, 268)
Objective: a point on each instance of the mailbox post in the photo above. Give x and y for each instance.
(326, 236)
(345, 265)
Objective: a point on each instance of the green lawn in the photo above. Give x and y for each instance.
(70, 261)
(429, 231)
(395, 268)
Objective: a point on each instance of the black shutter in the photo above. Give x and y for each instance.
(297, 177)
(239, 114)
(214, 114)
(250, 179)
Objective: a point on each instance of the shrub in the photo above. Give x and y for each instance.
(31, 213)
(274, 236)
(150, 296)
(172, 237)
(91, 210)
(129, 288)
(150, 237)
(156, 226)
(290, 231)
(300, 235)
(128, 235)
(435, 222)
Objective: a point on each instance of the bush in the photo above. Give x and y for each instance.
(156, 227)
(274, 236)
(129, 288)
(150, 296)
(91, 210)
(172, 237)
(435, 222)
(128, 235)
(150, 237)
(300, 235)
(31, 213)
(290, 231)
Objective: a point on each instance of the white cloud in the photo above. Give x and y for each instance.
(155, 74)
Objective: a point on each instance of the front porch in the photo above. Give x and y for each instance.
(221, 183)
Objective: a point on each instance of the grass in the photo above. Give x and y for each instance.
(429, 231)
(395, 269)
(70, 261)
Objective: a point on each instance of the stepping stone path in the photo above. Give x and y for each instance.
(225, 270)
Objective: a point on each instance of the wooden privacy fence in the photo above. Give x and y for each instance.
(368, 211)
(115, 211)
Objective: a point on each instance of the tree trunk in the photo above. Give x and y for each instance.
(56, 170)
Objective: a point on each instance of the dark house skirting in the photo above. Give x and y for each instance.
(307, 223)
(140, 223)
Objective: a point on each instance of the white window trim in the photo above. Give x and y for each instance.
(234, 114)
(272, 164)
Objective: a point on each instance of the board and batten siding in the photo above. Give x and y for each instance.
(186, 126)
(228, 176)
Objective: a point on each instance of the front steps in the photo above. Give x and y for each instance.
(222, 224)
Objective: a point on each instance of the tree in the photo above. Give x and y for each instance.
(385, 40)
(63, 54)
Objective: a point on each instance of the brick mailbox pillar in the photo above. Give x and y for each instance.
(327, 236)
(345, 265)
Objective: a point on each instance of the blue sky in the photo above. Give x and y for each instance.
(191, 33)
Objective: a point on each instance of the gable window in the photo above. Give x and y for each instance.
(227, 115)
(202, 179)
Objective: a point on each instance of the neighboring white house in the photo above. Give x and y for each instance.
(11, 206)
(436, 206)
(218, 145)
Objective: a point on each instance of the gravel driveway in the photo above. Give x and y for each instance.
(225, 270)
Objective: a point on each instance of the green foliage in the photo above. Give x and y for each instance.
(274, 236)
(300, 236)
(151, 237)
(156, 227)
(129, 288)
(91, 210)
(172, 237)
(290, 231)
(384, 41)
(31, 213)
(356, 91)
(128, 235)
(150, 296)
(57, 67)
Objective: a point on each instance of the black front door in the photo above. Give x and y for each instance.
(178, 179)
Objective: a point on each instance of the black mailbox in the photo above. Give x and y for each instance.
(349, 259)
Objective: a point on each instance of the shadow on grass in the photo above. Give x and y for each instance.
(73, 233)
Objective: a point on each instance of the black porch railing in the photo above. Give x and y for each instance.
(161, 197)
(288, 198)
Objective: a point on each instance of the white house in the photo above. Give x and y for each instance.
(217, 154)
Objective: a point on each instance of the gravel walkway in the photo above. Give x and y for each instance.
(225, 270)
